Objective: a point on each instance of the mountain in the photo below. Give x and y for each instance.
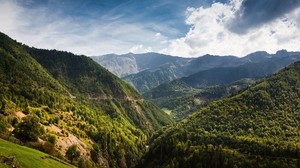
(258, 127)
(180, 92)
(165, 70)
(144, 71)
(148, 79)
(226, 75)
(127, 64)
(61, 103)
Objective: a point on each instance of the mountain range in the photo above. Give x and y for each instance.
(153, 69)
(180, 85)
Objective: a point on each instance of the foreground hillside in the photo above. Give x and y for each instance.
(13, 155)
(258, 127)
(58, 102)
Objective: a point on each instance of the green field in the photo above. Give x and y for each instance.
(27, 157)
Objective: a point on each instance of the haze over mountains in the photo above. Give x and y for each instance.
(147, 71)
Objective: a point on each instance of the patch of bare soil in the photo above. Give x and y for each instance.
(64, 142)
(20, 114)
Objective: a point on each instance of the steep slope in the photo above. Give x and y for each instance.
(64, 100)
(117, 64)
(258, 127)
(85, 77)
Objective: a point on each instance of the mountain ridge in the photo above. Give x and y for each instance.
(148, 78)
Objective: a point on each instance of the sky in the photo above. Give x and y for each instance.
(187, 28)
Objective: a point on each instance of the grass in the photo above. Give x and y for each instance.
(167, 111)
(27, 157)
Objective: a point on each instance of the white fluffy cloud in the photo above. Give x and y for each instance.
(209, 33)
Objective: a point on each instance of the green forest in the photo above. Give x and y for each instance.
(258, 127)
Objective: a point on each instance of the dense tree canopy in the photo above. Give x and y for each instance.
(258, 127)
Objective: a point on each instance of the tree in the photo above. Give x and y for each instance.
(72, 153)
(3, 124)
(29, 129)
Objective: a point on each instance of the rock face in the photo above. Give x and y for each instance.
(127, 64)
(117, 64)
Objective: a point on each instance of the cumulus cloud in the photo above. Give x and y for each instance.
(210, 32)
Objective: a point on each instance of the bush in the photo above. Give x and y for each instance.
(51, 139)
(72, 153)
(29, 129)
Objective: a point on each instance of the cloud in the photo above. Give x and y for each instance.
(254, 13)
(47, 27)
(140, 49)
(222, 29)
(209, 32)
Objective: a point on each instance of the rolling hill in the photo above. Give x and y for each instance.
(258, 127)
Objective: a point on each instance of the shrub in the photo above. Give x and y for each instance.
(29, 129)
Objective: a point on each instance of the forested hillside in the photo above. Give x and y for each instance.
(180, 100)
(258, 127)
(71, 107)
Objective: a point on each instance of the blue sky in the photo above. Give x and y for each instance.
(183, 27)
